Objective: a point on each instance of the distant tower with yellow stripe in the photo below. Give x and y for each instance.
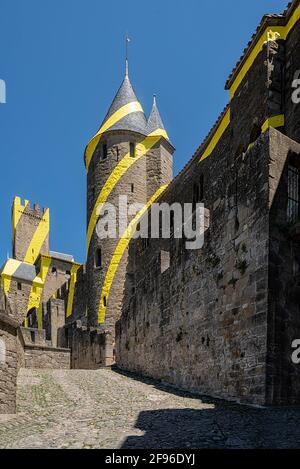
(128, 156)
(30, 231)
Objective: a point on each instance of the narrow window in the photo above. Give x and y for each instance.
(98, 258)
(104, 301)
(104, 151)
(293, 194)
(118, 153)
(132, 187)
(132, 150)
(19, 286)
(54, 270)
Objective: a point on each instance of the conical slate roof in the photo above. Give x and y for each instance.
(125, 113)
(126, 104)
(155, 123)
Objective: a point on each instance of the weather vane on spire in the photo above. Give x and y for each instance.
(127, 41)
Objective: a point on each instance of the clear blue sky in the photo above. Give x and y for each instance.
(63, 61)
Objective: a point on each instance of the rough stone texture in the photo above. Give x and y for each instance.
(47, 357)
(26, 227)
(188, 324)
(284, 282)
(147, 174)
(11, 358)
(92, 348)
(104, 409)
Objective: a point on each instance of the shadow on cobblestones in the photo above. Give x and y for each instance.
(224, 425)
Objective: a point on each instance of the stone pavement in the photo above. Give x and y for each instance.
(107, 409)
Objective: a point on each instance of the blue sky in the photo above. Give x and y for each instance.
(63, 60)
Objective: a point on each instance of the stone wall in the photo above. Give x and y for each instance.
(91, 348)
(284, 279)
(46, 357)
(11, 359)
(202, 323)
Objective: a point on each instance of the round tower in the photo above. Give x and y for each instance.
(117, 166)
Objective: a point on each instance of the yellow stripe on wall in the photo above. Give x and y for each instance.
(217, 135)
(275, 121)
(126, 162)
(118, 254)
(38, 239)
(271, 33)
(73, 281)
(124, 111)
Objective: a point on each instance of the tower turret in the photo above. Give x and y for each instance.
(116, 166)
(117, 162)
(159, 160)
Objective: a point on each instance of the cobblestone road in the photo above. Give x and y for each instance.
(105, 409)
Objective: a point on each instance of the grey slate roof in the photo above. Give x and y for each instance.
(25, 272)
(135, 121)
(155, 121)
(61, 256)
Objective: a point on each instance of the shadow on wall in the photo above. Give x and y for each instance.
(224, 426)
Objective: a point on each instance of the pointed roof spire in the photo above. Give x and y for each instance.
(127, 39)
(155, 123)
(125, 112)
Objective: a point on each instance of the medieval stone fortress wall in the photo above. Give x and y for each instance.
(220, 320)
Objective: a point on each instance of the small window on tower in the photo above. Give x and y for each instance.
(98, 258)
(132, 149)
(104, 151)
(132, 187)
(54, 270)
(19, 286)
(104, 301)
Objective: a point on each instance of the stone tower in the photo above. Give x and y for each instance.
(30, 231)
(127, 157)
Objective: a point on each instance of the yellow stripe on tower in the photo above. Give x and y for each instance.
(73, 281)
(126, 162)
(38, 239)
(118, 254)
(112, 120)
(38, 283)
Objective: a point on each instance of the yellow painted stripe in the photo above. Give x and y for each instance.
(217, 135)
(129, 108)
(118, 254)
(73, 281)
(39, 314)
(275, 121)
(38, 239)
(160, 133)
(8, 272)
(271, 33)
(37, 286)
(126, 162)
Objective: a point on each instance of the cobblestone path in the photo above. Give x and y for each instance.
(106, 409)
